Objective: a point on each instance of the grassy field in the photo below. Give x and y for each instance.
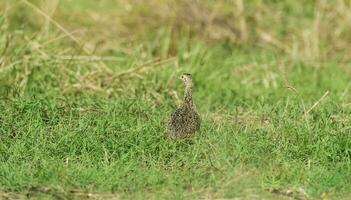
(86, 88)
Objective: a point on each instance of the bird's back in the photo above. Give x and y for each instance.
(183, 122)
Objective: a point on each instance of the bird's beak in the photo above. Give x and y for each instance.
(180, 78)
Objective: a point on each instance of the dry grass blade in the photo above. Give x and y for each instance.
(90, 195)
(242, 21)
(11, 196)
(52, 21)
(317, 102)
(139, 68)
(65, 31)
(59, 37)
(89, 58)
(291, 88)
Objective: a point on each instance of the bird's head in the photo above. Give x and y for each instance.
(187, 79)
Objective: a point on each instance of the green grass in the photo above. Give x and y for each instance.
(67, 125)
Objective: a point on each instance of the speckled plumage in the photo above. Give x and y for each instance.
(185, 120)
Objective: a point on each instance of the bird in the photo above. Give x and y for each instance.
(185, 120)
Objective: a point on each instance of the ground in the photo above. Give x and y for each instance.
(86, 88)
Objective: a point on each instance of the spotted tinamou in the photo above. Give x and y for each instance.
(185, 120)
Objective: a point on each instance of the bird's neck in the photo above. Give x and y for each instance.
(188, 97)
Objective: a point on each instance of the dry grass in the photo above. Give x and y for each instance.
(243, 118)
(321, 35)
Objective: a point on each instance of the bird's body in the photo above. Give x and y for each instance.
(185, 120)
